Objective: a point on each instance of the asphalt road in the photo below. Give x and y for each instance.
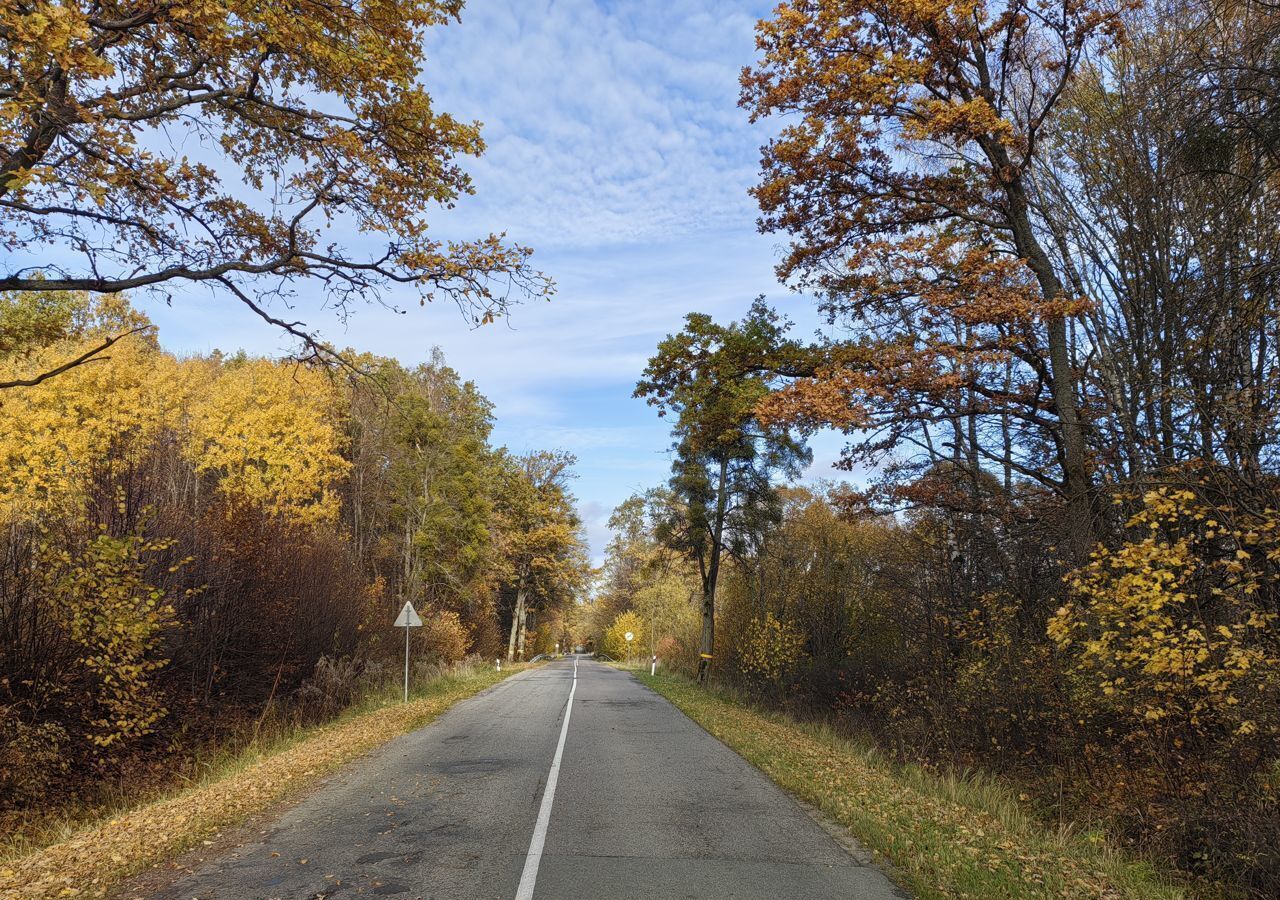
(646, 805)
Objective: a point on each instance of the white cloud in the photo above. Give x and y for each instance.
(595, 520)
(606, 123)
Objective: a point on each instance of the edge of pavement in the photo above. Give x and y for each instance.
(933, 834)
(136, 846)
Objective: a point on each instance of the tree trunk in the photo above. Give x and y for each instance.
(707, 646)
(1062, 386)
(517, 618)
(524, 629)
(1075, 470)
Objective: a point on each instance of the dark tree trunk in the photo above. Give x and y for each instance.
(707, 647)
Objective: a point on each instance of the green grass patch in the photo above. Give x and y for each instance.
(92, 855)
(946, 836)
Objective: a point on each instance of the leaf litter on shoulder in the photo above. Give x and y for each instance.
(94, 860)
(947, 837)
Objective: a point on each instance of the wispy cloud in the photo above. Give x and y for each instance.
(607, 123)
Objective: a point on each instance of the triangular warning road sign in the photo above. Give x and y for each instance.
(408, 617)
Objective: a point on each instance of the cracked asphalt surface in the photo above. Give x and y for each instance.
(648, 806)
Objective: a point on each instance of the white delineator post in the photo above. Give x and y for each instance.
(653, 665)
(407, 619)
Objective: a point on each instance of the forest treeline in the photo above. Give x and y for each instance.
(189, 546)
(1045, 240)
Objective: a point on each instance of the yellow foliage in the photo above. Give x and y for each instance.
(444, 637)
(54, 436)
(770, 650)
(269, 432)
(1166, 626)
(615, 636)
(117, 621)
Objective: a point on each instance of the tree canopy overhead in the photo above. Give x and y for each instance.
(148, 143)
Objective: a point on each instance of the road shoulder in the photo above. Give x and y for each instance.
(939, 836)
(98, 861)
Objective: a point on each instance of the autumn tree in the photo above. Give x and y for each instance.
(711, 378)
(628, 555)
(542, 549)
(191, 547)
(55, 436)
(33, 321)
(642, 574)
(907, 185)
(819, 574)
(270, 435)
(307, 117)
(614, 642)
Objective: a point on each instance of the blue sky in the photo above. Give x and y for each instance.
(617, 151)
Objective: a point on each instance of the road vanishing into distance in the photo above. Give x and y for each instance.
(571, 780)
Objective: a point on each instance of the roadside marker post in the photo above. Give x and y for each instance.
(653, 665)
(407, 619)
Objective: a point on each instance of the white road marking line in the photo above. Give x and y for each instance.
(534, 858)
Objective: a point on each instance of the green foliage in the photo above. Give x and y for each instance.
(722, 492)
(441, 470)
(712, 377)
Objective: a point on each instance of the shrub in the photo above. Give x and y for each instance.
(444, 638)
(770, 651)
(1171, 630)
(615, 640)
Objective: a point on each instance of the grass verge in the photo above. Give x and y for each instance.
(96, 857)
(946, 836)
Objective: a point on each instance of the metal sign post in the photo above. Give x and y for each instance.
(629, 637)
(407, 619)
